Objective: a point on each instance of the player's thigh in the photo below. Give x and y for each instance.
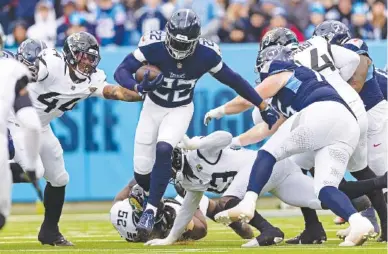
(304, 160)
(51, 153)
(17, 134)
(359, 159)
(297, 190)
(239, 185)
(377, 138)
(5, 180)
(330, 165)
(147, 129)
(175, 124)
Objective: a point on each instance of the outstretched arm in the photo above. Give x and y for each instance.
(211, 144)
(114, 92)
(124, 72)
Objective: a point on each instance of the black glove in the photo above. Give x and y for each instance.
(270, 116)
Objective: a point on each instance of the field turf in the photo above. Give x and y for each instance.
(93, 233)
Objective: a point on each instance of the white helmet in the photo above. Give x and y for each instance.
(124, 219)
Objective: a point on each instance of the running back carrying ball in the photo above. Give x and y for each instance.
(154, 72)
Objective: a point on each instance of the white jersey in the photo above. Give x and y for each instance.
(11, 72)
(216, 173)
(333, 62)
(55, 92)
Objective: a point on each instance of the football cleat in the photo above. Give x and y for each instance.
(339, 221)
(145, 225)
(268, 237)
(53, 238)
(244, 211)
(360, 230)
(314, 234)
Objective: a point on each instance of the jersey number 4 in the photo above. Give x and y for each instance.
(325, 58)
(51, 103)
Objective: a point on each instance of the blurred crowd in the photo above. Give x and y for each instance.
(121, 22)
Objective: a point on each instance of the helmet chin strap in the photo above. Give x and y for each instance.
(79, 75)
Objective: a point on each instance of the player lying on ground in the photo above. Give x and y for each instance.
(182, 57)
(307, 100)
(212, 165)
(15, 98)
(127, 209)
(63, 79)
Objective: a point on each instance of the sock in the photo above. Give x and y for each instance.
(2, 221)
(18, 175)
(261, 171)
(355, 189)
(337, 202)
(376, 197)
(310, 216)
(143, 181)
(257, 221)
(54, 197)
(361, 203)
(153, 208)
(161, 172)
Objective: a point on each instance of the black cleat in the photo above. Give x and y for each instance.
(383, 235)
(268, 237)
(53, 238)
(314, 234)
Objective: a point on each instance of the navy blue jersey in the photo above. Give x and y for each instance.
(180, 77)
(6, 54)
(305, 87)
(381, 77)
(370, 94)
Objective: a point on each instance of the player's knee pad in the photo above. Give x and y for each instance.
(143, 180)
(142, 165)
(2, 221)
(61, 180)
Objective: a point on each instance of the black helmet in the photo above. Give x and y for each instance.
(183, 30)
(281, 53)
(279, 36)
(82, 52)
(178, 160)
(29, 50)
(333, 31)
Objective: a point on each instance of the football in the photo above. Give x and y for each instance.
(154, 72)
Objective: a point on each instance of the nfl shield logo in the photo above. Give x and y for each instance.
(179, 65)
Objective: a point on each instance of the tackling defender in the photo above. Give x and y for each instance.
(183, 57)
(64, 79)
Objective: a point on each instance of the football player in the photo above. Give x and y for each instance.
(64, 79)
(14, 97)
(365, 83)
(382, 76)
(212, 165)
(305, 102)
(127, 209)
(183, 57)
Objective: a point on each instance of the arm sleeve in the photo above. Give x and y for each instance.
(124, 72)
(214, 142)
(241, 86)
(186, 213)
(345, 60)
(30, 123)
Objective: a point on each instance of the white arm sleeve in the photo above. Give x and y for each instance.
(214, 142)
(345, 60)
(189, 206)
(30, 123)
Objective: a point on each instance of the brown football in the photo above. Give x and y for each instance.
(154, 72)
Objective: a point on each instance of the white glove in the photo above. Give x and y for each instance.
(216, 113)
(165, 241)
(235, 143)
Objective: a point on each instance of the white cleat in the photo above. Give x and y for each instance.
(339, 221)
(343, 233)
(361, 229)
(254, 243)
(242, 211)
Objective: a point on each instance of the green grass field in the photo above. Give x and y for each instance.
(92, 233)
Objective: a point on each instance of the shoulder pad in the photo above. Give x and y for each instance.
(211, 45)
(152, 37)
(275, 66)
(51, 58)
(98, 77)
(6, 54)
(357, 45)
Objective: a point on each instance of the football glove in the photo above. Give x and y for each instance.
(148, 86)
(270, 116)
(216, 113)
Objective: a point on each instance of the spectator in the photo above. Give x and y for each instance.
(63, 23)
(234, 33)
(379, 19)
(209, 13)
(110, 18)
(26, 10)
(7, 13)
(317, 16)
(237, 9)
(77, 23)
(268, 6)
(361, 28)
(341, 12)
(45, 28)
(298, 11)
(19, 34)
(149, 17)
(131, 36)
(279, 19)
(168, 8)
(257, 21)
